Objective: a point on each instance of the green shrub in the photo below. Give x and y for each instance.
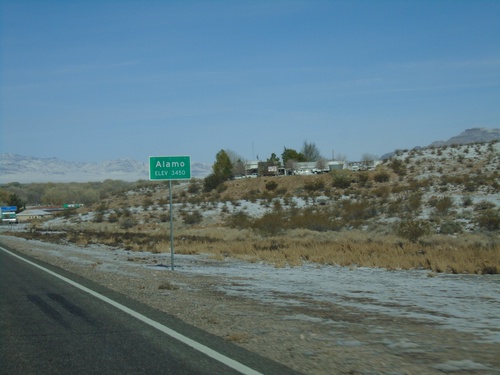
(443, 205)
(271, 185)
(450, 227)
(489, 220)
(412, 230)
(127, 222)
(381, 176)
(355, 212)
(270, 224)
(194, 188)
(113, 218)
(484, 205)
(467, 201)
(415, 201)
(193, 217)
(363, 178)
(341, 179)
(398, 167)
(239, 220)
(316, 185)
(98, 217)
(212, 181)
(312, 219)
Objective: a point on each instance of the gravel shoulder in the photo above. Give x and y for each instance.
(304, 331)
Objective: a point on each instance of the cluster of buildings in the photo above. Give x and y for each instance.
(264, 168)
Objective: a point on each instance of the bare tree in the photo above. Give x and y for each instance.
(237, 161)
(341, 157)
(368, 159)
(234, 156)
(322, 164)
(311, 151)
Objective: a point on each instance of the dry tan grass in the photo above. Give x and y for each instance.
(464, 254)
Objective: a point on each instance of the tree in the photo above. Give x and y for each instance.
(222, 166)
(310, 151)
(368, 159)
(341, 157)
(273, 159)
(14, 200)
(222, 170)
(237, 161)
(290, 155)
(238, 167)
(234, 156)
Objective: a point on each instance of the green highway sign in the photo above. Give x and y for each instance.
(169, 168)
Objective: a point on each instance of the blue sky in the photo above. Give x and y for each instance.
(102, 80)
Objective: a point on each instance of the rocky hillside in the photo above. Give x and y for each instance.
(447, 190)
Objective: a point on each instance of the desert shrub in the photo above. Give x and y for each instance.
(450, 227)
(194, 188)
(467, 201)
(356, 212)
(443, 205)
(312, 219)
(212, 181)
(277, 206)
(98, 217)
(127, 222)
(341, 179)
(484, 205)
(363, 178)
(238, 220)
(113, 218)
(147, 202)
(221, 188)
(270, 224)
(381, 176)
(316, 185)
(412, 230)
(414, 201)
(398, 167)
(395, 207)
(271, 185)
(125, 212)
(281, 191)
(489, 220)
(381, 192)
(193, 217)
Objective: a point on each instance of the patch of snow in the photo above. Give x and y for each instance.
(467, 303)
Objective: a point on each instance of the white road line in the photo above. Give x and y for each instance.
(176, 335)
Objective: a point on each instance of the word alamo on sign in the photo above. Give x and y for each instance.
(168, 164)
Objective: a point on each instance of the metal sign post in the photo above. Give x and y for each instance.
(170, 168)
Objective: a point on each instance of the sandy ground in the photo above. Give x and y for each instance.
(318, 320)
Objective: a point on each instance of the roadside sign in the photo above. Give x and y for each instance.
(9, 208)
(169, 168)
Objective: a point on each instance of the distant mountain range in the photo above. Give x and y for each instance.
(25, 169)
(474, 135)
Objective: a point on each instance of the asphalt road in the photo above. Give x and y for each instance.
(49, 326)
